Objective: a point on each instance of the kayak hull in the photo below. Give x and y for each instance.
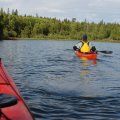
(19, 111)
(89, 56)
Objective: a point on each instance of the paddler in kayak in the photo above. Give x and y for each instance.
(84, 45)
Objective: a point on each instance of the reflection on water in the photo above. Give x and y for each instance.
(85, 67)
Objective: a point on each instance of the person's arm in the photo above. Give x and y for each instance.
(93, 48)
(77, 46)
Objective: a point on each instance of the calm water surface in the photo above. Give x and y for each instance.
(57, 85)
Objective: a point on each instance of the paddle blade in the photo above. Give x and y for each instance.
(106, 52)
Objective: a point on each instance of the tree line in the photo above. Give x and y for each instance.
(14, 26)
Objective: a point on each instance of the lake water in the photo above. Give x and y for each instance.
(57, 85)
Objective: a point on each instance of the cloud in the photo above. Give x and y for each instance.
(7, 0)
(96, 3)
(92, 10)
(56, 11)
(50, 9)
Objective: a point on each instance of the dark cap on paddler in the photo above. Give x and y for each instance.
(84, 37)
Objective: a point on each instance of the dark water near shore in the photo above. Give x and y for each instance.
(56, 85)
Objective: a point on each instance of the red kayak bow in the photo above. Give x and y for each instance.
(12, 105)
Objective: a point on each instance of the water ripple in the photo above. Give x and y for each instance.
(57, 85)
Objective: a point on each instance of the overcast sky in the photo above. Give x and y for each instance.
(91, 10)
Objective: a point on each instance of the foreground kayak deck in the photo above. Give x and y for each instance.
(19, 111)
(89, 56)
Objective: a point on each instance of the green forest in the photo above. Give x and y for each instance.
(15, 26)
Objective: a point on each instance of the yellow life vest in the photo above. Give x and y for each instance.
(85, 47)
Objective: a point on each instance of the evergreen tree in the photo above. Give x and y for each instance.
(15, 25)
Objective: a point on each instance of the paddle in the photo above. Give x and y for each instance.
(94, 50)
(105, 52)
(102, 51)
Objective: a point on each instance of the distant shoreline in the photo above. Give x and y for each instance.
(104, 40)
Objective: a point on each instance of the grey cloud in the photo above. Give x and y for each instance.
(92, 10)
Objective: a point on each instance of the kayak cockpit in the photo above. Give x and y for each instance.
(6, 101)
